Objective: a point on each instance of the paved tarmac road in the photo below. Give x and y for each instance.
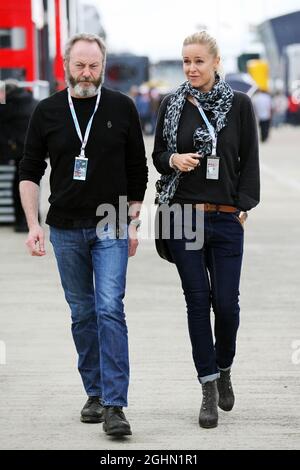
(41, 391)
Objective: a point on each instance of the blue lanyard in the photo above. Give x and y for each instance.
(88, 129)
(210, 128)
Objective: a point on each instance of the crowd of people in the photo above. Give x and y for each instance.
(272, 110)
(275, 110)
(147, 100)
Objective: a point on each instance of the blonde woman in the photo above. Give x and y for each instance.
(206, 149)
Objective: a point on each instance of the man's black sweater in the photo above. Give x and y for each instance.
(237, 147)
(115, 152)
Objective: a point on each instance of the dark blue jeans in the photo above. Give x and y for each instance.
(93, 272)
(210, 277)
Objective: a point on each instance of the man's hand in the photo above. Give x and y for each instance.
(133, 240)
(133, 212)
(36, 241)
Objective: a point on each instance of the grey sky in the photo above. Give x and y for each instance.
(157, 27)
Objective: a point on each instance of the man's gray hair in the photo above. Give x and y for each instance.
(89, 38)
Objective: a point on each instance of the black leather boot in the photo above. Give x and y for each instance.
(115, 422)
(208, 417)
(92, 412)
(226, 395)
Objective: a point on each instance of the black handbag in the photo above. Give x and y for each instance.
(160, 242)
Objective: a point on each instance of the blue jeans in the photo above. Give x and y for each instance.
(93, 274)
(210, 276)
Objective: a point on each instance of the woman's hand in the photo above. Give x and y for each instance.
(186, 161)
(243, 217)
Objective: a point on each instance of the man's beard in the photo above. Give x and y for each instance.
(80, 90)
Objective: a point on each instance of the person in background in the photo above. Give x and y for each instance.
(154, 106)
(206, 149)
(279, 106)
(262, 102)
(143, 105)
(2, 92)
(14, 120)
(293, 111)
(96, 149)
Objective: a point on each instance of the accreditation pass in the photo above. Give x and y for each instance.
(212, 172)
(80, 168)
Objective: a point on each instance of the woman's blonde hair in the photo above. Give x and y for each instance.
(202, 37)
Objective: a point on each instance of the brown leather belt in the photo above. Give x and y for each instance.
(207, 207)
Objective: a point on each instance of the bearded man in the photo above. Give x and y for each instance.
(93, 138)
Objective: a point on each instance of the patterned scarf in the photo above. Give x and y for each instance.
(218, 101)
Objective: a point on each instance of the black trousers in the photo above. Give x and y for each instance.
(210, 278)
(264, 129)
